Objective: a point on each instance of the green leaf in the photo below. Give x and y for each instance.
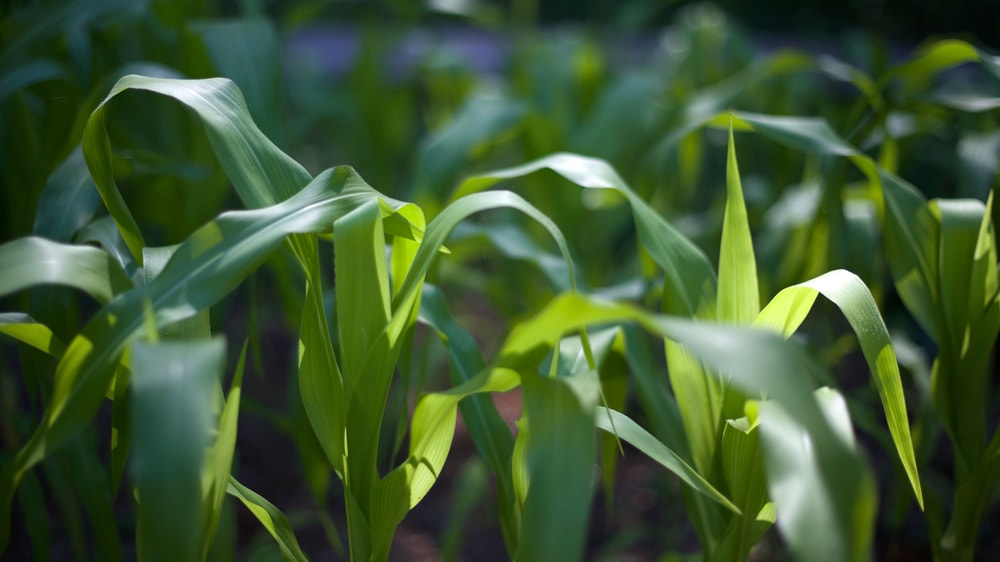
(215, 480)
(248, 51)
(488, 430)
(261, 174)
(560, 455)
(928, 61)
(779, 370)
(633, 434)
(68, 200)
(786, 312)
(174, 389)
(25, 329)
(739, 297)
(689, 286)
(967, 291)
(386, 511)
(817, 518)
(271, 518)
(743, 470)
(103, 232)
(431, 433)
(31, 261)
(512, 242)
(195, 327)
(362, 284)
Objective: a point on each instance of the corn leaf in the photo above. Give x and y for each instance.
(739, 297)
(215, 479)
(488, 430)
(906, 227)
(68, 200)
(103, 232)
(689, 287)
(788, 310)
(967, 292)
(743, 470)
(633, 434)
(247, 51)
(31, 261)
(25, 329)
(559, 455)
(431, 434)
(271, 518)
(798, 476)
(173, 391)
(261, 174)
(512, 242)
(388, 508)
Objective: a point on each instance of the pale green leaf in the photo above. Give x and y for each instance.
(273, 520)
(689, 287)
(789, 308)
(25, 329)
(739, 297)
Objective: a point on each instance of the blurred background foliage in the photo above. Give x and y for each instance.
(418, 95)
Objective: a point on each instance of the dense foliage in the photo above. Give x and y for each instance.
(635, 236)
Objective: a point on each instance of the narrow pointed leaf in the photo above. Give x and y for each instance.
(739, 297)
(689, 286)
(220, 457)
(633, 434)
(273, 520)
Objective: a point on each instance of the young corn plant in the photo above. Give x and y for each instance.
(942, 257)
(345, 400)
(720, 425)
(374, 316)
(944, 262)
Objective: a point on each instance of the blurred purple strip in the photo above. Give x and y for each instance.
(333, 50)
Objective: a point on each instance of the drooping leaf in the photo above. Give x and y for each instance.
(25, 329)
(786, 312)
(31, 261)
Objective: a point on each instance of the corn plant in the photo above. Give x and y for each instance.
(940, 254)
(345, 404)
(730, 429)
(721, 441)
